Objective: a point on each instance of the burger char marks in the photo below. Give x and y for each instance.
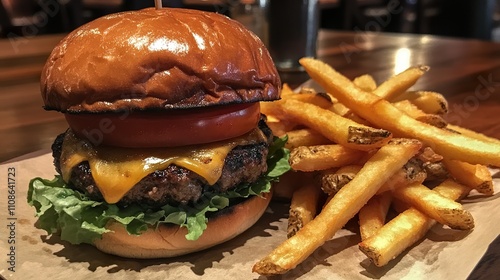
(176, 185)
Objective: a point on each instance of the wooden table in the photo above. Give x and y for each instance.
(25, 127)
(467, 72)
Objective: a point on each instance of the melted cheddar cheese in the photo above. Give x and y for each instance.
(116, 170)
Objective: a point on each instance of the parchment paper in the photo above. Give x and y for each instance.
(444, 254)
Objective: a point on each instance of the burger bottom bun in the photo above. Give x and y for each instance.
(170, 241)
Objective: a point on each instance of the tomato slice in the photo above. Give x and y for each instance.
(166, 129)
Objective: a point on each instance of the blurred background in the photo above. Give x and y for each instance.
(457, 18)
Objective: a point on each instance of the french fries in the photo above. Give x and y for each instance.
(372, 216)
(409, 108)
(397, 235)
(305, 137)
(343, 206)
(286, 91)
(281, 127)
(406, 229)
(383, 114)
(471, 133)
(412, 172)
(365, 82)
(318, 99)
(475, 176)
(442, 209)
(400, 83)
(428, 101)
(372, 148)
(336, 128)
(332, 180)
(321, 157)
(413, 111)
(272, 109)
(303, 207)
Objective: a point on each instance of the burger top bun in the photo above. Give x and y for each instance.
(157, 59)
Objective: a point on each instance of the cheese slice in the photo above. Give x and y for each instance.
(116, 170)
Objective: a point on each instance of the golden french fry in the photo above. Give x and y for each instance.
(412, 172)
(327, 101)
(334, 106)
(428, 101)
(357, 119)
(425, 165)
(409, 108)
(272, 109)
(318, 99)
(395, 236)
(286, 91)
(434, 120)
(475, 176)
(333, 180)
(452, 190)
(340, 109)
(280, 127)
(340, 209)
(365, 82)
(372, 216)
(312, 91)
(383, 114)
(406, 228)
(321, 157)
(413, 111)
(303, 207)
(472, 133)
(307, 90)
(444, 210)
(305, 137)
(336, 128)
(400, 83)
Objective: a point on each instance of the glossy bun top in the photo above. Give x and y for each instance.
(155, 60)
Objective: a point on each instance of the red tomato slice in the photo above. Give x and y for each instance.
(166, 129)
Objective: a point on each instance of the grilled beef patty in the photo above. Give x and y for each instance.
(177, 185)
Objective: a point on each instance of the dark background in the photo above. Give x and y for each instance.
(457, 18)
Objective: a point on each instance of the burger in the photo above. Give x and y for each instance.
(166, 152)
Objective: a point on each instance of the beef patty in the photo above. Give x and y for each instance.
(176, 185)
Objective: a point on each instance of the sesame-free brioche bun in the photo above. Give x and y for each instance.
(158, 59)
(170, 241)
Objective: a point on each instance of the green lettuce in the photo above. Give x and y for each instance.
(80, 220)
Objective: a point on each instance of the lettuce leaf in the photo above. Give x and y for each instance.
(80, 220)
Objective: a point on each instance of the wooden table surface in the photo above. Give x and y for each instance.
(467, 72)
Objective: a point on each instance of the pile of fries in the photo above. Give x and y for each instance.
(372, 149)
